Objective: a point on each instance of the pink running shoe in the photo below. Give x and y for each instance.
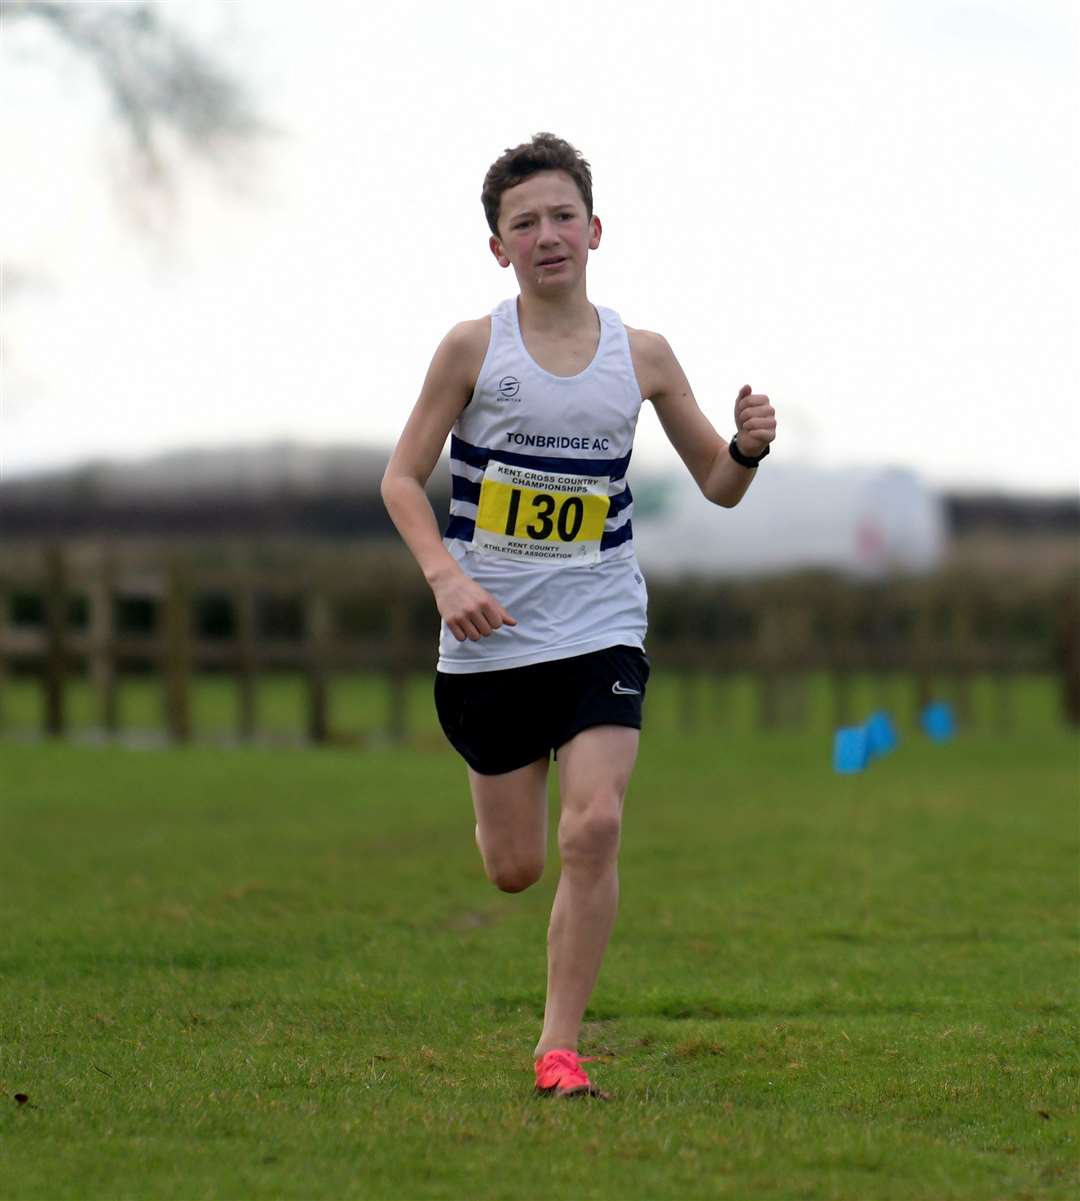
(559, 1074)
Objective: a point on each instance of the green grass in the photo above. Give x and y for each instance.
(280, 973)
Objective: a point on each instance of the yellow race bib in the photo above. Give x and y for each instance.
(541, 516)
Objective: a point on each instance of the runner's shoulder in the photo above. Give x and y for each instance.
(461, 353)
(648, 343)
(470, 337)
(651, 355)
(459, 357)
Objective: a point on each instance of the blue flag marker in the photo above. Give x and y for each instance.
(880, 735)
(850, 749)
(938, 721)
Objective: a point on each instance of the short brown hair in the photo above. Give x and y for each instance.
(545, 152)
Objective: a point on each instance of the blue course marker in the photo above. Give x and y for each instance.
(881, 735)
(938, 721)
(850, 749)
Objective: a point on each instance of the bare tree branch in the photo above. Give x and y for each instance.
(168, 94)
(160, 82)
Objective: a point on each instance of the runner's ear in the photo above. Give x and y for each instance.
(496, 248)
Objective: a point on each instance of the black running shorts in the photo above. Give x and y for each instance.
(499, 721)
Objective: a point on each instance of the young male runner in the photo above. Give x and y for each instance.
(541, 597)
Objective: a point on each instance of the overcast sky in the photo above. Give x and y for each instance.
(865, 208)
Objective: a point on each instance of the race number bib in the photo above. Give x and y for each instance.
(541, 516)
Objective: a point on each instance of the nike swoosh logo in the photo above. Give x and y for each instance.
(619, 690)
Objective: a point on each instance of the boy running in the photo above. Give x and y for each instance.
(542, 601)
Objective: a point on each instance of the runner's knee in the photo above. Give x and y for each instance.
(514, 875)
(591, 834)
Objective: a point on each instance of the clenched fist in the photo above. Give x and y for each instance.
(468, 610)
(755, 421)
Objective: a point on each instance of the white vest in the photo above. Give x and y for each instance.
(540, 510)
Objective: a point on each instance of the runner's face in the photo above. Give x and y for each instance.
(545, 233)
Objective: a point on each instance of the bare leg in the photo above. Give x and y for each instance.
(594, 772)
(511, 824)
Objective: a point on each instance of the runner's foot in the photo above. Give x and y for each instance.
(559, 1074)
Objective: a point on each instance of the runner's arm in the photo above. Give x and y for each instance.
(468, 610)
(705, 453)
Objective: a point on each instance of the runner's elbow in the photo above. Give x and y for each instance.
(393, 490)
(394, 482)
(717, 492)
(726, 500)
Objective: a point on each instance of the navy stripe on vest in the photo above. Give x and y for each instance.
(463, 489)
(478, 456)
(620, 501)
(617, 537)
(461, 527)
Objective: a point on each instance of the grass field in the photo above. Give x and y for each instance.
(280, 973)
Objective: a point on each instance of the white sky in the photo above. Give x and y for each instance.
(865, 208)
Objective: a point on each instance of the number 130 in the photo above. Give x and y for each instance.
(567, 520)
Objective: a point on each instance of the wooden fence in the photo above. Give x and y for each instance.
(102, 609)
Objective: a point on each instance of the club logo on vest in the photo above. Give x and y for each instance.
(509, 388)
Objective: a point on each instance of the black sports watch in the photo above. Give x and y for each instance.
(740, 458)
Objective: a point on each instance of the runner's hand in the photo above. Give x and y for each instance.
(468, 610)
(755, 421)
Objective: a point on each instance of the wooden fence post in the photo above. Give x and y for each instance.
(841, 696)
(1067, 651)
(102, 641)
(689, 697)
(55, 629)
(398, 671)
(923, 651)
(796, 625)
(1004, 709)
(839, 625)
(719, 694)
(882, 631)
(963, 653)
(5, 612)
(318, 642)
(768, 674)
(246, 664)
(177, 648)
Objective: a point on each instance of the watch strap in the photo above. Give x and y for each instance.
(740, 458)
